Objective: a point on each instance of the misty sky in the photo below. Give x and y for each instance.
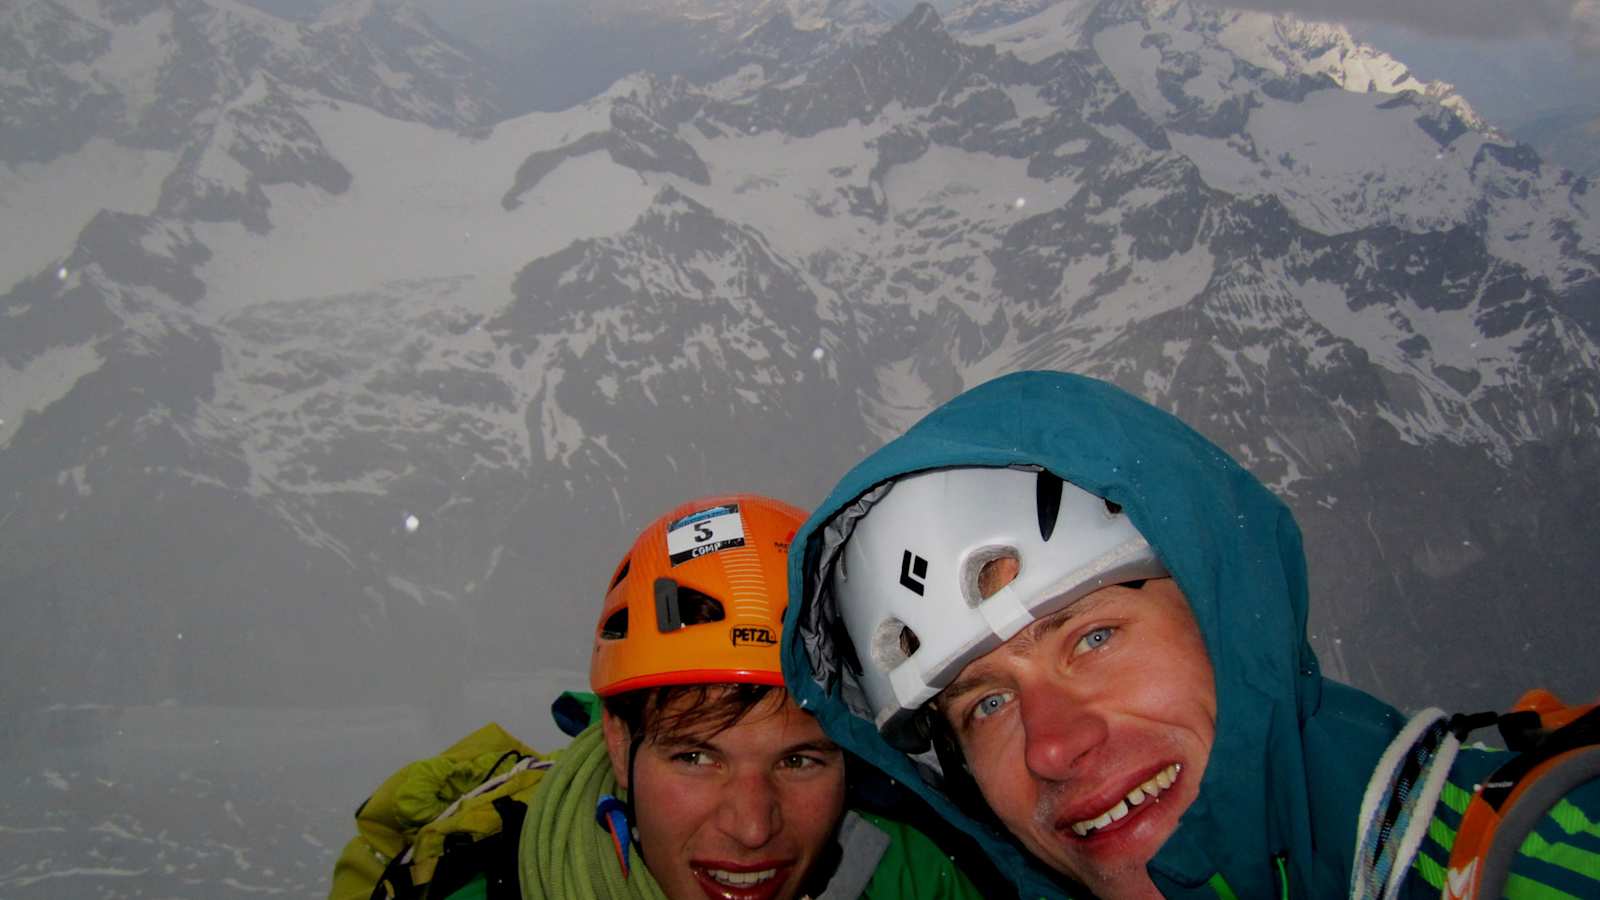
(1577, 20)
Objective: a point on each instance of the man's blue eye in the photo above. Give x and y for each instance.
(990, 705)
(1095, 639)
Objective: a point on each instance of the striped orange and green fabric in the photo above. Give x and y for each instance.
(1559, 859)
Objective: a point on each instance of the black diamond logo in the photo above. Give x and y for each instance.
(913, 570)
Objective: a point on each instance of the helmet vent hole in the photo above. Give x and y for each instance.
(1113, 508)
(615, 627)
(893, 643)
(679, 607)
(996, 574)
(622, 572)
(908, 642)
(987, 570)
(697, 608)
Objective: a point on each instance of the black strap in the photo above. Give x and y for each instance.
(461, 860)
(959, 785)
(502, 874)
(494, 857)
(1537, 748)
(395, 882)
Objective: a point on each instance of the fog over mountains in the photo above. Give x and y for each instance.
(276, 286)
(322, 383)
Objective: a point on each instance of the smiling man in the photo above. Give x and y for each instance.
(1079, 630)
(735, 793)
(738, 791)
(697, 779)
(1089, 731)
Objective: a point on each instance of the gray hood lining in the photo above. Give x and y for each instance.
(822, 634)
(821, 630)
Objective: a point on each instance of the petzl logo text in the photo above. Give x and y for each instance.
(751, 634)
(913, 569)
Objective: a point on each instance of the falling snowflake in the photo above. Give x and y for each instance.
(1020, 202)
(61, 274)
(818, 354)
(412, 524)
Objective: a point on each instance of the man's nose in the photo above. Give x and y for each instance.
(750, 811)
(1058, 727)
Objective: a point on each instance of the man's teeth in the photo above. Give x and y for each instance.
(1152, 788)
(741, 879)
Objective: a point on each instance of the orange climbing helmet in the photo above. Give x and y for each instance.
(699, 598)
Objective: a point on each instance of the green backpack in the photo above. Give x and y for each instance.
(440, 822)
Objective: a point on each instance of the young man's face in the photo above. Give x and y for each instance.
(741, 814)
(1089, 731)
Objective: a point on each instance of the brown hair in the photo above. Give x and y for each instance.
(711, 708)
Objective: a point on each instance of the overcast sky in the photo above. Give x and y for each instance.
(1577, 20)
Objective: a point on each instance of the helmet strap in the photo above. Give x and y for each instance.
(959, 785)
(634, 740)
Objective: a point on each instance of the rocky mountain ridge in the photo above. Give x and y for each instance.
(335, 305)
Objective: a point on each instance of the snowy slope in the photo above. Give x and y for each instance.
(419, 206)
(1285, 129)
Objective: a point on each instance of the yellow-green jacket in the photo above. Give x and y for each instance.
(491, 818)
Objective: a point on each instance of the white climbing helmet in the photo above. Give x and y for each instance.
(906, 582)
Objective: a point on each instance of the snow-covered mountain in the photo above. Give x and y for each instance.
(148, 73)
(315, 385)
(1542, 89)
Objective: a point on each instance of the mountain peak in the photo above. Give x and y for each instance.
(914, 63)
(922, 18)
(344, 12)
(809, 14)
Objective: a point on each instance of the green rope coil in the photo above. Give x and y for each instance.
(563, 852)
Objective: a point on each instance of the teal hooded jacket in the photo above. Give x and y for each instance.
(1278, 805)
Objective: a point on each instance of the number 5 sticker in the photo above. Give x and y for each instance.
(706, 531)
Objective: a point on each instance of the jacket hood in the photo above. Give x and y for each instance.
(1232, 547)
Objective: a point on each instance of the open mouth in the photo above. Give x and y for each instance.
(740, 879)
(726, 882)
(1146, 792)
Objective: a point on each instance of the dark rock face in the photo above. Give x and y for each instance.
(47, 111)
(639, 143)
(1520, 157)
(297, 154)
(1444, 126)
(641, 139)
(116, 244)
(538, 165)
